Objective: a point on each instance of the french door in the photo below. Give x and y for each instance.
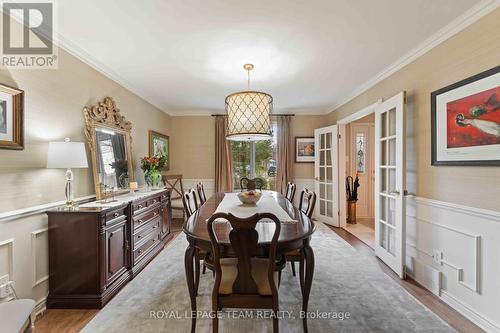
(390, 183)
(326, 174)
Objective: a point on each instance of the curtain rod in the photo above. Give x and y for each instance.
(273, 114)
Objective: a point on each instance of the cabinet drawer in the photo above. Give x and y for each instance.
(146, 229)
(164, 197)
(140, 206)
(146, 217)
(152, 240)
(153, 201)
(116, 215)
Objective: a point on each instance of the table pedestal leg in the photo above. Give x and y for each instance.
(189, 260)
(306, 277)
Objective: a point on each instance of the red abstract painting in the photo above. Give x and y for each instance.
(474, 120)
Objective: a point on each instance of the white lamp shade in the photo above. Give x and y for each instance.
(249, 116)
(67, 155)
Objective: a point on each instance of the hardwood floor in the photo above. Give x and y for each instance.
(431, 301)
(69, 321)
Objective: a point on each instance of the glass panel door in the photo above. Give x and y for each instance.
(390, 183)
(326, 171)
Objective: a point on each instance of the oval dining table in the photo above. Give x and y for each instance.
(295, 235)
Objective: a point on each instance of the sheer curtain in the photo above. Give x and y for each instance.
(223, 165)
(284, 153)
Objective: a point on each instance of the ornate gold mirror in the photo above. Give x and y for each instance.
(109, 138)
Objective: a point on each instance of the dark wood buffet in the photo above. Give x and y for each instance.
(95, 251)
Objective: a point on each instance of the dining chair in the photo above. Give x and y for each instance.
(174, 183)
(245, 281)
(190, 207)
(200, 188)
(251, 184)
(190, 203)
(306, 206)
(290, 191)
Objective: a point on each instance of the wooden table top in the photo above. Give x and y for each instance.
(196, 226)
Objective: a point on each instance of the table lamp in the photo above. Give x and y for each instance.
(67, 155)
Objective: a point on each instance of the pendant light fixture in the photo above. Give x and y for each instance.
(249, 114)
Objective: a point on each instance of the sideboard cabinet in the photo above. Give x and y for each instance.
(96, 249)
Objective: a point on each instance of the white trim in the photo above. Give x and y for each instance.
(10, 244)
(478, 319)
(458, 208)
(460, 23)
(34, 235)
(33, 210)
(367, 110)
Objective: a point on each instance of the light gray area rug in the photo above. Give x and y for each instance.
(346, 284)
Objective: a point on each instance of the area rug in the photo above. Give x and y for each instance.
(349, 294)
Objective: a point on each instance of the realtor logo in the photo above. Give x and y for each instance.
(27, 35)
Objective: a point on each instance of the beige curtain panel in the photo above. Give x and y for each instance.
(284, 153)
(223, 166)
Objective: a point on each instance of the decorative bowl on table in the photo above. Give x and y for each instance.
(249, 197)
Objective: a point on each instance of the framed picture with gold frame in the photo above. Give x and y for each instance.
(159, 145)
(11, 118)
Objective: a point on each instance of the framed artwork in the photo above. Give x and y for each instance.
(465, 121)
(11, 118)
(304, 149)
(159, 146)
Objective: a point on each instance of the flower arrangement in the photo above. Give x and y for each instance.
(151, 165)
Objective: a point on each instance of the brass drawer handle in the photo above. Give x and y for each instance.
(140, 251)
(116, 214)
(155, 213)
(154, 201)
(139, 206)
(140, 221)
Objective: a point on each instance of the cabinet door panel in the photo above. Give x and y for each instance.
(116, 251)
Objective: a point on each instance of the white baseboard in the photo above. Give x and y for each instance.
(476, 318)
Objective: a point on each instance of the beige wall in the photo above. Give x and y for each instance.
(471, 51)
(193, 145)
(54, 100)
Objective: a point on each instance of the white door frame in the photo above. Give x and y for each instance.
(342, 153)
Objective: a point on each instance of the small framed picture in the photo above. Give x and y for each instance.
(465, 119)
(159, 146)
(11, 118)
(304, 149)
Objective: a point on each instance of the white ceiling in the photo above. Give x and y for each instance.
(185, 56)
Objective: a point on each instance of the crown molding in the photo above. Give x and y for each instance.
(460, 23)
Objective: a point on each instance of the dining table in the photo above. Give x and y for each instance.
(295, 234)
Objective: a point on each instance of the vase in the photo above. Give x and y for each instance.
(153, 179)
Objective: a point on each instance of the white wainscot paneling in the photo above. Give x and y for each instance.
(453, 251)
(39, 256)
(6, 259)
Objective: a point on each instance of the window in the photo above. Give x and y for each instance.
(255, 159)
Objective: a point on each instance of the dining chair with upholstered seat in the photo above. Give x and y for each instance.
(245, 281)
(306, 206)
(251, 184)
(290, 191)
(174, 183)
(200, 188)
